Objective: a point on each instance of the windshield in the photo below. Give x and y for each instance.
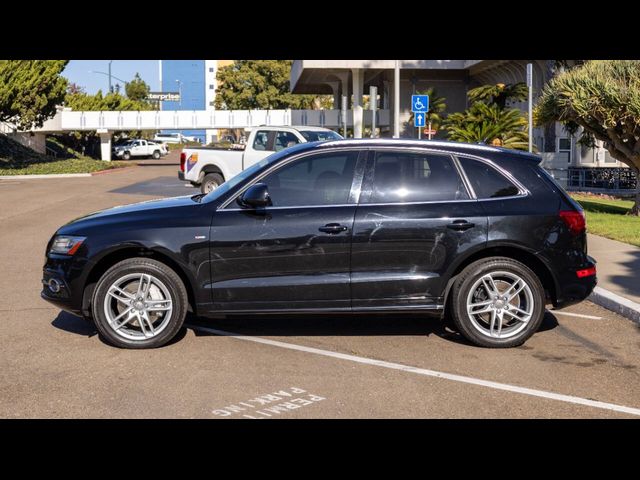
(320, 135)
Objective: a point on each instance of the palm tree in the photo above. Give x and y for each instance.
(499, 94)
(437, 106)
(490, 124)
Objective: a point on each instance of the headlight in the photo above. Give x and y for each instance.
(66, 245)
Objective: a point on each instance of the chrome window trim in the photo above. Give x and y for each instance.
(286, 162)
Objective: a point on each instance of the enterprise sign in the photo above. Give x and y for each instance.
(166, 96)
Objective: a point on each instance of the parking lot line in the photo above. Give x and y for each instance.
(579, 315)
(429, 373)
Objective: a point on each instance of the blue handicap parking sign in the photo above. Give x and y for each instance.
(418, 120)
(419, 103)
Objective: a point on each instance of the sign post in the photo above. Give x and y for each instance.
(530, 85)
(418, 121)
(419, 107)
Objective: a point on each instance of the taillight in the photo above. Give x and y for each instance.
(587, 272)
(183, 160)
(574, 220)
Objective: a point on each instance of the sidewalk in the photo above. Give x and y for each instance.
(618, 266)
(618, 276)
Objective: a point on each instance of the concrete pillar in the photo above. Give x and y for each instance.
(105, 144)
(358, 113)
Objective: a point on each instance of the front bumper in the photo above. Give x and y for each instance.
(67, 273)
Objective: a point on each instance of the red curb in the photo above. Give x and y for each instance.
(113, 170)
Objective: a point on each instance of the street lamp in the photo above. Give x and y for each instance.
(179, 91)
(110, 76)
(110, 62)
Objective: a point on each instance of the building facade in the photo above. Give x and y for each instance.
(195, 81)
(451, 79)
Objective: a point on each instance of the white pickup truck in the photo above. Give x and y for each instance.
(209, 167)
(139, 148)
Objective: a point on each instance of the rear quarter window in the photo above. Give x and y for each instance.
(486, 181)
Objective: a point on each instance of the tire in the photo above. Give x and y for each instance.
(156, 154)
(210, 182)
(161, 325)
(126, 156)
(516, 319)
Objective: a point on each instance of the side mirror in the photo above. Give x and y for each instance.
(256, 196)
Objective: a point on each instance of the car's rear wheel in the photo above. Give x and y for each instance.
(211, 181)
(497, 302)
(139, 303)
(156, 154)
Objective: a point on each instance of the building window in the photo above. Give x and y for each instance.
(212, 86)
(211, 69)
(564, 147)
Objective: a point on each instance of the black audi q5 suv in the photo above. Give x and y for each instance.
(480, 234)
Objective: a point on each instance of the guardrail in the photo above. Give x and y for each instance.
(203, 119)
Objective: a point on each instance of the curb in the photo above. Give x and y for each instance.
(112, 170)
(616, 303)
(37, 177)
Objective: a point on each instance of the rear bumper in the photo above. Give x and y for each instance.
(181, 176)
(572, 289)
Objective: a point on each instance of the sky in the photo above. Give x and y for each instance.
(77, 71)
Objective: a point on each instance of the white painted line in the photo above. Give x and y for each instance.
(579, 315)
(39, 177)
(429, 373)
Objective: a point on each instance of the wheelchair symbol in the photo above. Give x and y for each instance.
(419, 105)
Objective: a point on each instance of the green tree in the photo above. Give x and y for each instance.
(603, 98)
(258, 84)
(488, 120)
(499, 94)
(77, 99)
(137, 89)
(437, 107)
(30, 90)
(489, 124)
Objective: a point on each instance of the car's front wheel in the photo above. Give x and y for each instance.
(156, 154)
(497, 302)
(139, 303)
(126, 155)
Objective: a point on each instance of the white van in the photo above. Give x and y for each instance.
(170, 138)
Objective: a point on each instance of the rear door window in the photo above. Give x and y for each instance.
(400, 177)
(284, 140)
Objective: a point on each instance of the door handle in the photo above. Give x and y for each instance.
(333, 228)
(461, 225)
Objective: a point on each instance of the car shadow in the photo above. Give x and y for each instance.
(305, 325)
(339, 325)
(74, 324)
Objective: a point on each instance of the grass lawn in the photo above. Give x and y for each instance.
(16, 159)
(71, 165)
(608, 218)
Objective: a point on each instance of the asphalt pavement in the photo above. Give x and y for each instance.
(582, 363)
